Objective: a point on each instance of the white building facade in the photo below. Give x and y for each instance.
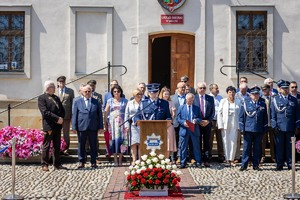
(41, 40)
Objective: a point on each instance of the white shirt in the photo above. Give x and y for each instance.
(217, 103)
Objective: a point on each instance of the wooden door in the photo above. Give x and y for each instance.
(182, 59)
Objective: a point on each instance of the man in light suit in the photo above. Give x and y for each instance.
(87, 121)
(191, 113)
(206, 103)
(178, 99)
(66, 96)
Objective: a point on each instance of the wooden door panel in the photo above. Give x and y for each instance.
(182, 59)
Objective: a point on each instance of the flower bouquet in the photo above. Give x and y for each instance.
(28, 141)
(152, 172)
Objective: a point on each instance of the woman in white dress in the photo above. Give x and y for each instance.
(131, 109)
(165, 94)
(228, 115)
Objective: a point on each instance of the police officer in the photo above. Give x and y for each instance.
(285, 119)
(253, 123)
(154, 108)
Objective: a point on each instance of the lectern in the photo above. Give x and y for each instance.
(154, 136)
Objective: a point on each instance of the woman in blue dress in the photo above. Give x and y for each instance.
(115, 113)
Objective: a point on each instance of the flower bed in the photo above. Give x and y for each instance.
(152, 172)
(28, 142)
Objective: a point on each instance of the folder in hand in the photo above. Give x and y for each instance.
(191, 125)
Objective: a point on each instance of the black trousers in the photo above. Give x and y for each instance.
(55, 138)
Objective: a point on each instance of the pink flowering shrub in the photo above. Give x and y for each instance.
(28, 141)
(298, 146)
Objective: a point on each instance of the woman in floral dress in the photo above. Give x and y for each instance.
(115, 113)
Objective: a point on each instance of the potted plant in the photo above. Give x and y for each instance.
(152, 175)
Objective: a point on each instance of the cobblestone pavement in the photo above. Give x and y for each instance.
(71, 184)
(218, 183)
(215, 183)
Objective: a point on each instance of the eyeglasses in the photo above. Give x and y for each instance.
(182, 87)
(294, 87)
(202, 88)
(87, 91)
(216, 88)
(117, 91)
(184, 81)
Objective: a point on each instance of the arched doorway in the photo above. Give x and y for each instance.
(171, 55)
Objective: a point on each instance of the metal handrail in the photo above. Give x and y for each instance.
(238, 73)
(9, 107)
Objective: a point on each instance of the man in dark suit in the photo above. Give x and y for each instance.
(87, 121)
(95, 95)
(52, 114)
(191, 113)
(66, 96)
(206, 103)
(98, 97)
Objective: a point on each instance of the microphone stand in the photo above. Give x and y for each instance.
(129, 120)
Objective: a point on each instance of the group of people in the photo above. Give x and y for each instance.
(258, 113)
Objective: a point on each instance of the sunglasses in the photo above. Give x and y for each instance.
(117, 91)
(294, 87)
(202, 88)
(87, 91)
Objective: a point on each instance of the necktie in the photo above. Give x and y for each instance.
(61, 95)
(190, 113)
(202, 106)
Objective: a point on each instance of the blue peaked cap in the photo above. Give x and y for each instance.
(153, 87)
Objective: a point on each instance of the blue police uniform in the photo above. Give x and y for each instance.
(157, 110)
(285, 119)
(253, 122)
(154, 109)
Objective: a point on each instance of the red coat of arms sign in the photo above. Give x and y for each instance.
(171, 5)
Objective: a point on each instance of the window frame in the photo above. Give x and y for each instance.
(251, 47)
(270, 9)
(14, 33)
(26, 73)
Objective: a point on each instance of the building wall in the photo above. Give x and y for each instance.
(54, 50)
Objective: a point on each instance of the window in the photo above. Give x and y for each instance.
(252, 41)
(12, 41)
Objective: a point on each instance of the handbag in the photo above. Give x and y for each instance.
(106, 137)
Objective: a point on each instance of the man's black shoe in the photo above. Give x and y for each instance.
(59, 167)
(256, 168)
(198, 165)
(181, 166)
(279, 168)
(206, 164)
(243, 169)
(80, 166)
